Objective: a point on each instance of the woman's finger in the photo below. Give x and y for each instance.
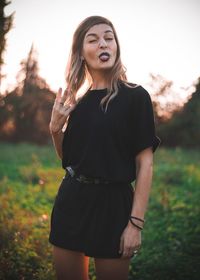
(125, 253)
(64, 97)
(63, 110)
(66, 110)
(58, 95)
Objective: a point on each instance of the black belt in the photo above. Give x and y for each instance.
(83, 179)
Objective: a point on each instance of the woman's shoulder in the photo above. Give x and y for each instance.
(134, 90)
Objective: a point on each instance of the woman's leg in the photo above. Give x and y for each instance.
(70, 264)
(107, 269)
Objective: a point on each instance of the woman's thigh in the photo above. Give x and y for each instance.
(107, 269)
(70, 264)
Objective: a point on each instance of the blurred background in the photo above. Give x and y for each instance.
(160, 43)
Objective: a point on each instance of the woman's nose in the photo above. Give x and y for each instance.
(102, 43)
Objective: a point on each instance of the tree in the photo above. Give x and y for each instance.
(5, 25)
(28, 76)
(183, 129)
(165, 100)
(25, 112)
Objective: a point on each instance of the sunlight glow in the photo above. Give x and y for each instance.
(156, 36)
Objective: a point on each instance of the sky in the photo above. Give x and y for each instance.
(156, 36)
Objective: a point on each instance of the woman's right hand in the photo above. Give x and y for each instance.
(60, 112)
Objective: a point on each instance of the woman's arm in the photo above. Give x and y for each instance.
(57, 138)
(144, 171)
(131, 237)
(59, 118)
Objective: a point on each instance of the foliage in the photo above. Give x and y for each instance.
(170, 240)
(27, 190)
(5, 26)
(165, 99)
(183, 129)
(25, 112)
(29, 178)
(161, 88)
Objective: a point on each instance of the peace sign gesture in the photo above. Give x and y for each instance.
(60, 112)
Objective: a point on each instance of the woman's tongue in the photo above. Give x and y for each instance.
(104, 57)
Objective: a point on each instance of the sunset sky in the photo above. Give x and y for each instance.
(156, 36)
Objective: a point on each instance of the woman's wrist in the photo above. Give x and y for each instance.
(137, 218)
(54, 130)
(133, 228)
(136, 222)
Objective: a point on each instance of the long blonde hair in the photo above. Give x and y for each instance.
(77, 73)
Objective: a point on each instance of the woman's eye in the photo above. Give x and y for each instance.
(92, 41)
(109, 39)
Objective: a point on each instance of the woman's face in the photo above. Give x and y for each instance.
(99, 48)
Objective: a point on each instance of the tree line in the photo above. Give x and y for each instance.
(25, 111)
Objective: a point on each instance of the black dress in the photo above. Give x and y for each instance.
(90, 218)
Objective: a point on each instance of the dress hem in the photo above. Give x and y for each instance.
(87, 254)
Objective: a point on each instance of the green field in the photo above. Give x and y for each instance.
(29, 178)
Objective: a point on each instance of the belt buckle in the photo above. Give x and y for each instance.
(70, 171)
(83, 179)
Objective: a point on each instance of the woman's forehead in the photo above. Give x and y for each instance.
(99, 28)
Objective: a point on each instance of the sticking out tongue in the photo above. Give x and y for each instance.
(104, 57)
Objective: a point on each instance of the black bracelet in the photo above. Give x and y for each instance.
(141, 228)
(136, 218)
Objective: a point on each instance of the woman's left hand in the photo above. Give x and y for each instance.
(130, 241)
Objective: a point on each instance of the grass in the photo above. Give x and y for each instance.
(29, 178)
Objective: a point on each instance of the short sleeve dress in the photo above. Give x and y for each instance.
(90, 218)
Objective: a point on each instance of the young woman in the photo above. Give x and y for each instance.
(106, 140)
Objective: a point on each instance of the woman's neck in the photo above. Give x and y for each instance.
(99, 85)
(99, 81)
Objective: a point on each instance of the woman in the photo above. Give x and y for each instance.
(106, 140)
